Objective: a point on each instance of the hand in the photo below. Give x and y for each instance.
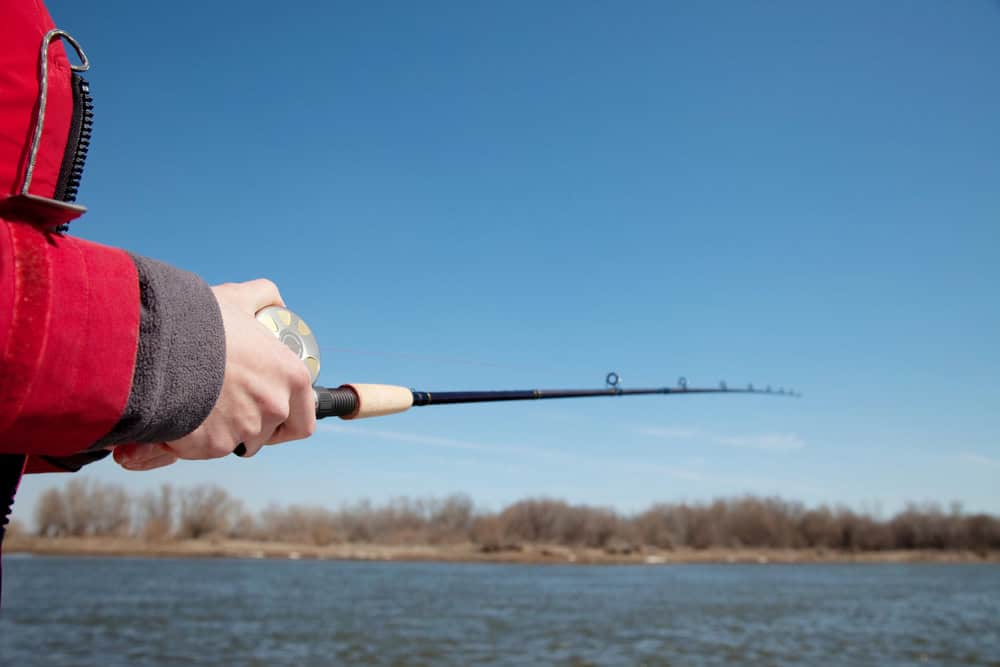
(267, 394)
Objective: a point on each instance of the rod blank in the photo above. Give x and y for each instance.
(356, 401)
(451, 397)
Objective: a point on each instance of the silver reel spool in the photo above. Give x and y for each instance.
(292, 330)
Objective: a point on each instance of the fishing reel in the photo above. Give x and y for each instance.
(296, 335)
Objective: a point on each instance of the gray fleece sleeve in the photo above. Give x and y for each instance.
(180, 360)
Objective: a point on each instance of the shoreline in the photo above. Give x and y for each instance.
(535, 554)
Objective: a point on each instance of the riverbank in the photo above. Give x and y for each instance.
(466, 552)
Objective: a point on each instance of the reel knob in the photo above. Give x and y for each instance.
(293, 331)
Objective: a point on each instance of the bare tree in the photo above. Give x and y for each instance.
(156, 513)
(311, 525)
(50, 514)
(451, 519)
(83, 508)
(76, 507)
(109, 511)
(244, 526)
(206, 510)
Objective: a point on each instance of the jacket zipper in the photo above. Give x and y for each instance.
(78, 142)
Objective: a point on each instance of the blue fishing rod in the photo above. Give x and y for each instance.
(355, 401)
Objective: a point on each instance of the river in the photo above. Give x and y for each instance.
(133, 611)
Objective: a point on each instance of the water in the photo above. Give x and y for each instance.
(77, 611)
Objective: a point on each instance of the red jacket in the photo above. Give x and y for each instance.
(66, 375)
(88, 337)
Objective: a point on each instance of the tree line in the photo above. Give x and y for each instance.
(89, 508)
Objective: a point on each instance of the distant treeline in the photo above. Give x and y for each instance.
(85, 508)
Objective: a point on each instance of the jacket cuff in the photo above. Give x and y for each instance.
(180, 361)
(69, 318)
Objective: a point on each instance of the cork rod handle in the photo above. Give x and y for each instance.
(376, 400)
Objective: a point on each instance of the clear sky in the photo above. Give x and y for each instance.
(472, 195)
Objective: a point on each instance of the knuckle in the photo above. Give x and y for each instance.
(300, 379)
(279, 413)
(274, 408)
(248, 428)
(219, 447)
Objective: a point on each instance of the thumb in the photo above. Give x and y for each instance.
(250, 296)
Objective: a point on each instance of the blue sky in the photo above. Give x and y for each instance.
(515, 195)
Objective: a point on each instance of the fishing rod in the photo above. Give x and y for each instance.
(356, 401)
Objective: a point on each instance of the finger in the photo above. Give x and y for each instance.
(135, 452)
(162, 460)
(301, 422)
(144, 456)
(250, 446)
(202, 444)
